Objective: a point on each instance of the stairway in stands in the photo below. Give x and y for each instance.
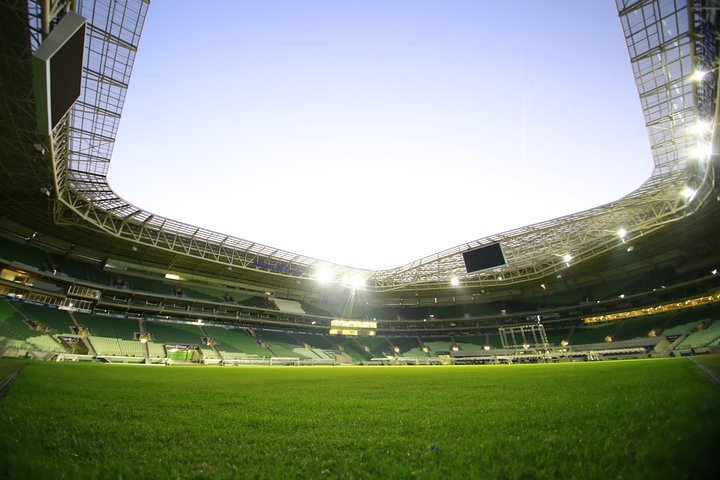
(144, 345)
(84, 337)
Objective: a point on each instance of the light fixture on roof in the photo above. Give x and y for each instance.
(354, 280)
(172, 276)
(714, 272)
(698, 75)
(700, 128)
(688, 193)
(454, 281)
(324, 275)
(702, 151)
(622, 233)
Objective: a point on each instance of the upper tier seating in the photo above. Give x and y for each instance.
(57, 321)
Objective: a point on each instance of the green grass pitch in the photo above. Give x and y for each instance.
(626, 419)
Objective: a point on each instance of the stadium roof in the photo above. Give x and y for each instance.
(668, 44)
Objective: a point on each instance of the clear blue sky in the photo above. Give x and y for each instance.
(372, 133)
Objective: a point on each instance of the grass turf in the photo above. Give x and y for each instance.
(625, 419)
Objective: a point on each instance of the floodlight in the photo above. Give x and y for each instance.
(700, 128)
(702, 151)
(486, 347)
(454, 281)
(357, 281)
(324, 275)
(621, 232)
(714, 272)
(698, 75)
(172, 276)
(567, 258)
(688, 193)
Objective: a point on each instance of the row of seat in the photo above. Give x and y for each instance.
(38, 327)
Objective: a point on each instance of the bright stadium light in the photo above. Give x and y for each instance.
(622, 233)
(702, 151)
(698, 75)
(567, 258)
(700, 128)
(357, 281)
(324, 275)
(354, 280)
(688, 193)
(454, 281)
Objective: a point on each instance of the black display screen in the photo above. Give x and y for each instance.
(483, 258)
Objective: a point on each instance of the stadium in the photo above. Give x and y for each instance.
(486, 359)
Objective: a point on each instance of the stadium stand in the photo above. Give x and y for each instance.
(111, 335)
(281, 344)
(701, 338)
(156, 350)
(56, 321)
(438, 344)
(288, 306)
(592, 334)
(681, 329)
(174, 333)
(15, 332)
(18, 253)
(236, 343)
(638, 327)
(350, 347)
(409, 345)
(319, 345)
(476, 343)
(556, 336)
(376, 346)
(209, 353)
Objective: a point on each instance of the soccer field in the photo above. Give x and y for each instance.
(624, 419)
